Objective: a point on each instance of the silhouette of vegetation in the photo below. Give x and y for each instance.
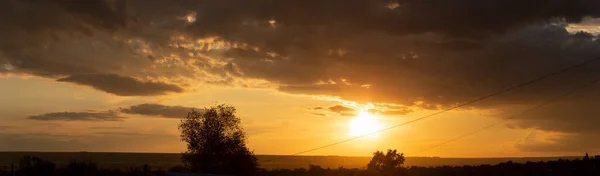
(216, 142)
(34, 166)
(586, 166)
(579, 167)
(386, 164)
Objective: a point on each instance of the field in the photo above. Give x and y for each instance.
(168, 160)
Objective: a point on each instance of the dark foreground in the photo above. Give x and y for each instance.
(34, 166)
(169, 160)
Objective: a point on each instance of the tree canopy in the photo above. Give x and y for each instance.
(387, 163)
(216, 142)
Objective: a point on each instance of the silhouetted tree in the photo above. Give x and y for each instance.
(216, 142)
(388, 163)
(586, 157)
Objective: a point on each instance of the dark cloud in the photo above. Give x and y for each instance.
(90, 43)
(135, 38)
(78, 116)
(347, 17)
(125, 86)
(158, 110)
(116, 115)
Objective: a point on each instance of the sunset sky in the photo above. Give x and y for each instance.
(116, 76)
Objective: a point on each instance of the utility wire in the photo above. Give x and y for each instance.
(550, 101)
(448, 109)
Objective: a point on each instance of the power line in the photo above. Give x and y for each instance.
(512, 117)
(446, 110)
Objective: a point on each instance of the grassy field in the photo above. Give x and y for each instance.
(168, 160)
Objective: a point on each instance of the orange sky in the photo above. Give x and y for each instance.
(276, 123)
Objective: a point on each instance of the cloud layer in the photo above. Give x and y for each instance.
(347, 111)
(120, 85)
(436, 52)
(78, 116)
(156, 110)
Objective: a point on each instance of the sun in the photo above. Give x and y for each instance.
(364, 124)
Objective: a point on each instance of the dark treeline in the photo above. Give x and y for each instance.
(33, 166)
(561, 167)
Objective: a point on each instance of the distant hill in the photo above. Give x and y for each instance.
(168, 160)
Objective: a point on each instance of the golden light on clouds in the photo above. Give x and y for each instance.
(393, 5)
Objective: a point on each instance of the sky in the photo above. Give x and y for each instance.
(118, 75)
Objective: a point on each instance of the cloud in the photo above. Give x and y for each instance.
(89, 42)
(410, 17)
(589, 25)
(318, 114)
(158, 110)
(392, 109)
(339, 109)
(78, 116)
(119, 85)
(94, 44)
(379, 109)
(396, 112)
(435, 51)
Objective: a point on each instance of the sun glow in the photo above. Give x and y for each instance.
(364, 124)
